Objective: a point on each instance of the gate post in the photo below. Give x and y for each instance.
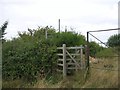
(81, 56)
(64, 61)
(87, 50)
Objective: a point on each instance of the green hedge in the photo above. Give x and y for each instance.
(25, 56)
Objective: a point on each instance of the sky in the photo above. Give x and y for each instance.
(81, 15)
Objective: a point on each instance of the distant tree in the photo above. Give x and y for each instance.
(114, 40)
(2, 30)
(94, 48)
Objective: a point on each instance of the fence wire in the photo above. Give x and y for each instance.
(105, 69)
(101, 42)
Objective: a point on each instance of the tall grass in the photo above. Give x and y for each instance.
(98, 78)
(103, 77)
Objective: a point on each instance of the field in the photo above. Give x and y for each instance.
(104, 74)
(101, 75)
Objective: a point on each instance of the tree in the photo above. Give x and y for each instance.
(94, 48)
(2, 30)
(114, 40)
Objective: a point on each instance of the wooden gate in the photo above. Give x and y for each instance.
(70, 58)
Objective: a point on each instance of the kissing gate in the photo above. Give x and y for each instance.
(70, 59)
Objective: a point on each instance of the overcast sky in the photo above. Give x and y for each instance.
(82, 15)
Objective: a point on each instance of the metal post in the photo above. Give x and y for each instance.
(64, 61)
(87, 50)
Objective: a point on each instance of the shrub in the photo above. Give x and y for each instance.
(25, 56)
(94, 48)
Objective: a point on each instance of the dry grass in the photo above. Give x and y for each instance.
(11, 84)
(44, 84)
(102, 78)
(99, 78)
(0, 84)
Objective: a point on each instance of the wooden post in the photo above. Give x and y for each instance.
(64, 61)
(59, 25)
(81, 56)
(77, 61)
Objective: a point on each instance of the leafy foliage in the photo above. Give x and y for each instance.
(69, 38)
(24, 57)
(94, 48)
(2, 30)
(114, 40)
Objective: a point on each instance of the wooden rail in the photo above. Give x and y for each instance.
(71, 61)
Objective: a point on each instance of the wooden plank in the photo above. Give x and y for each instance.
(71, 64)
(71, 47)
(74, 47)
(73, 68)
(73, 54)
(72, 58)
(60, 59)
(60, 54)
(60, 64)
(59, 47)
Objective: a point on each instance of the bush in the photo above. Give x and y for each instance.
(25, 56)
(31, 54)
(114, 40)
(94, 48)
(69, 38)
